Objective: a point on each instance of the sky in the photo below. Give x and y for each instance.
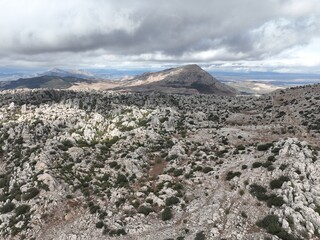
(244, 35)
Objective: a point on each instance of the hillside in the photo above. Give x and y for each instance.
(189, 79)
(43, 82)
(102, 165)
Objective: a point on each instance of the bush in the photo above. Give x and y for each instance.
(277, 183)
(177, 172)
(271, 159)
(231, 175)
(121, 180)
(113, 164)
(166, 214)
(259, 192)
(256, 164)
(264, 147)
(172, 201)
(30, 193)
(99, 225)
(272, 225)
(93, 208)
(241, 192)
(207, 169)
(4, 182)
(22, 209)
(66, 144)
(243, 167)
(267, 164)
(275, 151)
(283, 166)
(200, 236)
(117, 232)
(267, 221)
(274, 200)
(145, 210)
(241, 147)
(270, 168)
(244, 215)
(178, 186)
(8, 207)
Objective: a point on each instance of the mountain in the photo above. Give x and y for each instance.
(56, 72)
(189, 79)
(110, 165)
(43, 82)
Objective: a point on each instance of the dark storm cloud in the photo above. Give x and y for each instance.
(176, 30)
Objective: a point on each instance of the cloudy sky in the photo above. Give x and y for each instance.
(279, 35)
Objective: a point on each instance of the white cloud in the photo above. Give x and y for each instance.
(112, 33)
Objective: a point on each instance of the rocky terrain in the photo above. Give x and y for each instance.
(107, 165)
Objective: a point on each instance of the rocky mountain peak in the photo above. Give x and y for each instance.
(188, 79)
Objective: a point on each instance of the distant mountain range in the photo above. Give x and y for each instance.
(56, 72)
(189, 79)
(128, 80)
(51, 82)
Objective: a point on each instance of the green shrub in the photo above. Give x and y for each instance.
(256, 164)
(271, 158)
(264, 147)
(241, 147)
(166, 214)
(272, 225)
(207, 169)
(121, 180)
(30, 193)
(22, 209)
(274, 200)
(243, 167)
(197, 168)
(178, 186)
(244, 215)
(267, 164)
(231, 175)
(200, 236)
(4, 182)
(113, 164)
(172, 201)
(94, 208)
(277, 183)
(317, 209)
(69, 196)
(99, 224)
(117, 232)
(275, 151)
(177, 172)
(270, 168)
(8, 207)
(267, 221)
(145, 210)
(259, 192)
(283, 166)
(66, 144)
